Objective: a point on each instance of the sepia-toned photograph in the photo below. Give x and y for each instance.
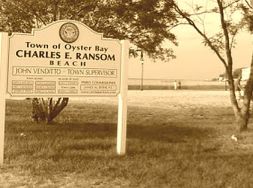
(126, 93)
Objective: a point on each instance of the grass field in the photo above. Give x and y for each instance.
(175, 139)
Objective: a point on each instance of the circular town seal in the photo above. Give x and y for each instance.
(69, 32)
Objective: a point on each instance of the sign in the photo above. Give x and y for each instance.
(65, 58)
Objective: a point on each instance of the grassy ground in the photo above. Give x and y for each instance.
(175, 139)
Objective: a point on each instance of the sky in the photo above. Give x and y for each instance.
(193, 60)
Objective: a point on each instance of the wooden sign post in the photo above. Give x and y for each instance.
(64, 59)
(122, 101)
(3, 85)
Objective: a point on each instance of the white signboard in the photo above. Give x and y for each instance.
(65, 58)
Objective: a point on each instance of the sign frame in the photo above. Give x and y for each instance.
(36, 31)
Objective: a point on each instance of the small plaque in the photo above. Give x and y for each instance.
(69, 32)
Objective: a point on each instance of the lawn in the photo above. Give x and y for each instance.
(174, 139)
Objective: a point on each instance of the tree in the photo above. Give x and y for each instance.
(222, 44)
(145, 22)
(237, 73)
